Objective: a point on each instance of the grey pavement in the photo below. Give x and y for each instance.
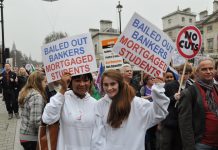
(9, 130)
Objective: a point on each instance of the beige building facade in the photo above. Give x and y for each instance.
(105, 32)
(173, 22)
(208, 24)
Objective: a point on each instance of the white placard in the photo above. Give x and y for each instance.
(146, 46)
(111, 59)
(74, 55)
(177, 59)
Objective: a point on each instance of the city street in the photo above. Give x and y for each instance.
(9, 130)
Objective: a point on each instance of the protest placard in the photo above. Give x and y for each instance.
(74, 55)
(189, 41)
(146, 46)
(111, 59)
(177, 59)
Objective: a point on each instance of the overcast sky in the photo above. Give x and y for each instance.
(27, 22)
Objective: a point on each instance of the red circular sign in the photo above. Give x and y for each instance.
(189, 42)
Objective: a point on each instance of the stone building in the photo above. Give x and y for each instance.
(106, 31)
(173, 22)
(208, 24)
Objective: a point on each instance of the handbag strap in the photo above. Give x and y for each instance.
(39, 135)
(48, 137)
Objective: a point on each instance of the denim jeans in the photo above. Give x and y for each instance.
(200, 146)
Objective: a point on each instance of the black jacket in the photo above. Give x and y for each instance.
(191, 117)
(171, 120)
(8, 85)
(21, 82)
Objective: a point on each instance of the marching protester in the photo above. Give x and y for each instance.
(198, 110)
(74, 109)
(216, 73)
(8, 85)
(187, 81)
(22, 77)
(94, 92)
(145, 90)
(169, 131)
(169, 76)
(21, 80)
(122, 119)
(32, 99)
(150, 137)
(51, 89)
(127, 73)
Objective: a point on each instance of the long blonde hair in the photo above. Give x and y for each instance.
(22, 72)
(34, 82)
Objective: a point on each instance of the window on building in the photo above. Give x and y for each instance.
(210, 44)
(169, 21)
(190, 20)
(183, 19)
(209, 28)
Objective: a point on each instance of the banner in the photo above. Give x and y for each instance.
(146, 46)
(74, 55)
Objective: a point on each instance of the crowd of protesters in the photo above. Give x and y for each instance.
(130, 111)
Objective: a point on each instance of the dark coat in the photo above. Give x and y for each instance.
(171, 120)
(21, 82)
(8, 85)
(191, 117)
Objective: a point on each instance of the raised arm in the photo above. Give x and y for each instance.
(52, 110)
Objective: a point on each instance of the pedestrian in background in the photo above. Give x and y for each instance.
(8, 85)
(32, 99)
(122, 118)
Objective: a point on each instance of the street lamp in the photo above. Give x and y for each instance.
(3, 37)
(119, 8)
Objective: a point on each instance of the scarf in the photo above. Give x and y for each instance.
(210, 99)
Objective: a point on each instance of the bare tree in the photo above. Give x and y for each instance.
(54, 36)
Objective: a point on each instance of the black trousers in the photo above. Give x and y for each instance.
(30, 145)
(150, 138)
(10, 101)
(170, 139)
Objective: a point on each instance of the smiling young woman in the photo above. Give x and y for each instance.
(122, 119)
(74, 109)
